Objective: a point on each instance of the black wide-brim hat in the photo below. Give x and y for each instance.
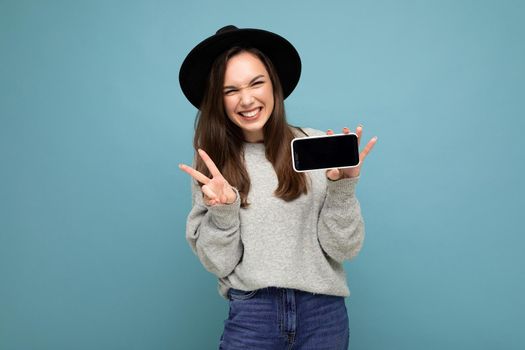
(195, 69)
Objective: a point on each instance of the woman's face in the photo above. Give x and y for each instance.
(248, 94)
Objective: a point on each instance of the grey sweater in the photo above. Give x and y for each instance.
(272, 243)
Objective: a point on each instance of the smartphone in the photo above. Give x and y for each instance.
(325, 152)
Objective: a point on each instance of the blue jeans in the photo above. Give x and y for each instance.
(281, 318)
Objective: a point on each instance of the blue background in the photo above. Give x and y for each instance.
(93, 205)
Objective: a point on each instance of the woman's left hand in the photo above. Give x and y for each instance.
(336, 174)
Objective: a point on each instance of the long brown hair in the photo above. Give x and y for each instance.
(223, 140)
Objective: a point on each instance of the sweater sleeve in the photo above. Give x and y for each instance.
(340, 227)
(213, 233)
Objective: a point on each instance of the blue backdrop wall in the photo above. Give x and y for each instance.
(93, 205)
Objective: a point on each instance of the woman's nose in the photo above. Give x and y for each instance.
(246, 99)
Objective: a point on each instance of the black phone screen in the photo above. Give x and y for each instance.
(333, 151)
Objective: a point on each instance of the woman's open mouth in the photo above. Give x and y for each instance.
(251, 114)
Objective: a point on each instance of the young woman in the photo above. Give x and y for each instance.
(276, 239)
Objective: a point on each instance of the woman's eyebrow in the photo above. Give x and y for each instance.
(251, 82)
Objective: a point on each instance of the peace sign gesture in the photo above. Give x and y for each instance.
(336, 174)
(216, 190)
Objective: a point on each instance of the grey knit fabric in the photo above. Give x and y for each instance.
(299, 244)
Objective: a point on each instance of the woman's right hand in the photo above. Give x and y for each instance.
(215, 190)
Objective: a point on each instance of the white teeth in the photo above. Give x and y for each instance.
(250, 114)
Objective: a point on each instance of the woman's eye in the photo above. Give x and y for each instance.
(257, 83)
(229, 92)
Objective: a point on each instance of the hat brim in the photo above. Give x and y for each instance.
(195, 69)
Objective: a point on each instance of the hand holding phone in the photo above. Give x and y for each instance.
(336, 172)
(325, 152)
